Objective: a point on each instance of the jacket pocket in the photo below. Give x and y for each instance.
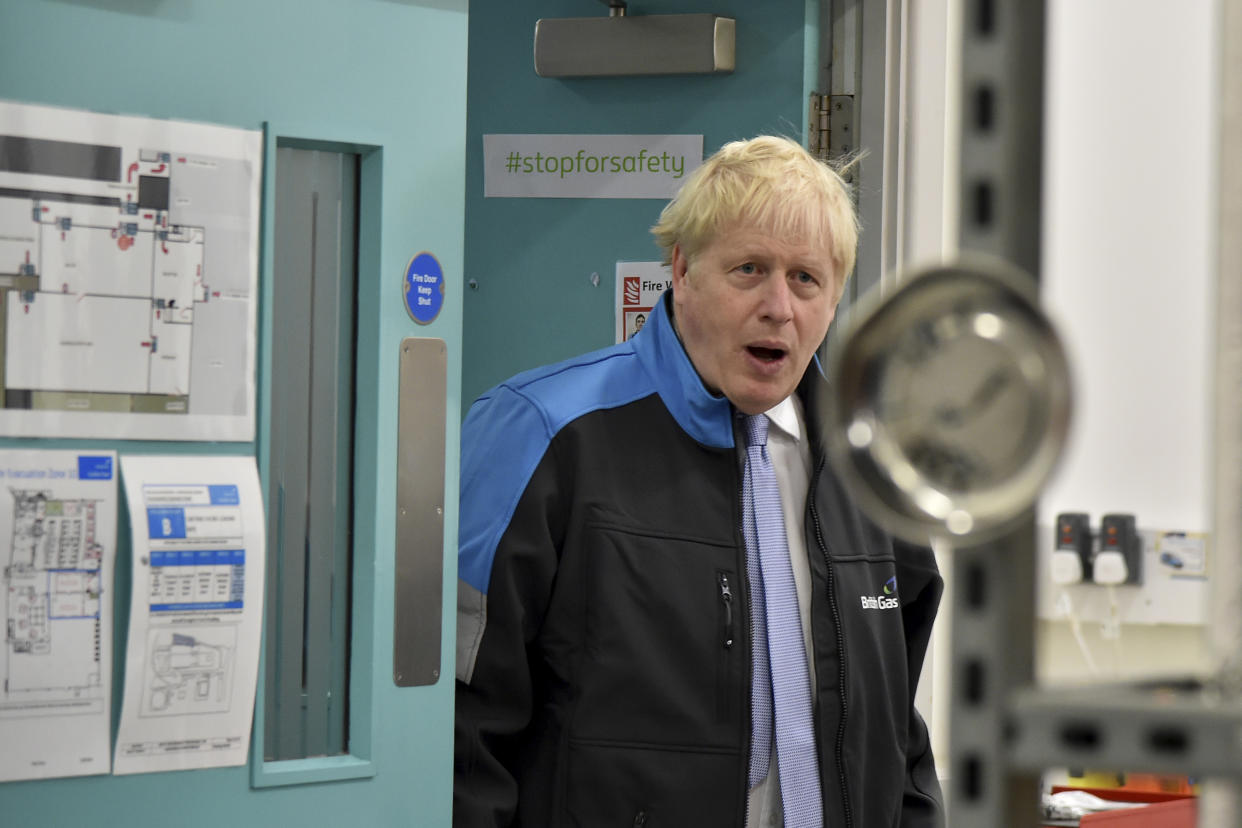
(611, 785)
(655, 668)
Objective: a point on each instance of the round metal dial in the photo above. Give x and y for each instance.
(950, 403)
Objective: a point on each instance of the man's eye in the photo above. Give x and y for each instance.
(748, 268)
(805, 278)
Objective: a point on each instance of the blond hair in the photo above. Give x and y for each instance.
(767, 181)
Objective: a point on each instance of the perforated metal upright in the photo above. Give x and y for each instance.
(1004, 730)
(993, 598)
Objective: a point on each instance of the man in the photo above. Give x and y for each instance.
(626, 654)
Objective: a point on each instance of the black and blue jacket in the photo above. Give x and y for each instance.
(603, 674)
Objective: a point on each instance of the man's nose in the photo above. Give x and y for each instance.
(777, 298)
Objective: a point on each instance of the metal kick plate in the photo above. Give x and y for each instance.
(419, 565)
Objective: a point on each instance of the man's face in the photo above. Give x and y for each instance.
(751, 309)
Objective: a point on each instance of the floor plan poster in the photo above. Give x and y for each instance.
(128, 271)
(195, 614)
(57, 549)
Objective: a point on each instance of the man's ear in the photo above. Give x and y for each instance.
(680, 264)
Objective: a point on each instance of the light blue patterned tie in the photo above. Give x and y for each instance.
(775, 619)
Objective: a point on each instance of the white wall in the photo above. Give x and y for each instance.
(1129, 213)
(1128, 273)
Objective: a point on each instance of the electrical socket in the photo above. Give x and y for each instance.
(1071, 558)
(1119, 558)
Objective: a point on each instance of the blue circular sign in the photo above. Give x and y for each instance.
(424, 288)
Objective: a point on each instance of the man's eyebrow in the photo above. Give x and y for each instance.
(752, 251)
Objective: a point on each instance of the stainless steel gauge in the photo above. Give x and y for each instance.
(950, 402)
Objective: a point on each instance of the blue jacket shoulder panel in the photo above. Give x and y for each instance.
(507, 433)
(509, 428)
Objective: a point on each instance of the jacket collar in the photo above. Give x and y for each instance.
(705, 416)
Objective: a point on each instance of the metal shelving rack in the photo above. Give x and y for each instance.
(1004, 729)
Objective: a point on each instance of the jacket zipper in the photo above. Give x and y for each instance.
(725, 659)
(726, 597)
(836, 620)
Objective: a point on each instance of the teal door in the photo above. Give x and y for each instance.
(382, 82)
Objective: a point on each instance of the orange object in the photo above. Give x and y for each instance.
(1161, 782)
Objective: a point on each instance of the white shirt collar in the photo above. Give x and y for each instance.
(784, 415)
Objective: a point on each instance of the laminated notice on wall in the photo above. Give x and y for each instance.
(588, 166)
(639, 285)
(57, 549)
(195, 614)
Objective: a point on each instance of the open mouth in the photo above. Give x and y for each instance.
(766, 354)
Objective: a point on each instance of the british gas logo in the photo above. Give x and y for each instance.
(886, 601)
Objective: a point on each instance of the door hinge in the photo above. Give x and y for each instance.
(831, 127)
(817, 126)
(839, 123)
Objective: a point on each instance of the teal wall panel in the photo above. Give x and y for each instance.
(532, 259)
(385, 77)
